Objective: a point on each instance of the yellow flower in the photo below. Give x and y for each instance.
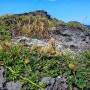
(33, 47)
(52, 52)
(71, 66)
(52, 44)
(57, 53)
(1, 48)
(46, 49)
(41, 51)
(8, 44)
(27, 61)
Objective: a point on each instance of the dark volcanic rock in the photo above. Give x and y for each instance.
(76, 39)
(54, 83)
(8, 85)
(13, 85)
(41, 13)
(2, 80)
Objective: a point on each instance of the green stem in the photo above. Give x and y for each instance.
(70, 87)
(25, 78)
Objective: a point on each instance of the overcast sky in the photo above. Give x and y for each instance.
(66, 10)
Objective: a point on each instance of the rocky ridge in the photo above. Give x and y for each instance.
(41, 13)
(76, 39)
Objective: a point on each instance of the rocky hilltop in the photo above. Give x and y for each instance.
(39, 24)
(41, 13)
(35, 29)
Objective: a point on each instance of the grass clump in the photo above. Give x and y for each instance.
(4, 34)
(76, 25)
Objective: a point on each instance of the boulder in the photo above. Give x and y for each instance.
(13, 85)
(41, 13)
(54, 83)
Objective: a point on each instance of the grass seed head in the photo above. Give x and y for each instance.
(57, 53)
(42, 51)
(46, 49)
(8, 44)
(27, 61)
(52, 44)
(33, 47)
(71, 66)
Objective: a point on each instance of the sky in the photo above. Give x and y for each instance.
(66, 10)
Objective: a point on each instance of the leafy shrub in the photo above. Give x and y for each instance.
(4, 34)
(76, 24)
(29, 25)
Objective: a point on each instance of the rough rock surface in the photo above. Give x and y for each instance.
(41, 13)
(13, 85)
(54, 83)
(8, 85)
(76, 39)
(2, 80)
(29, 42)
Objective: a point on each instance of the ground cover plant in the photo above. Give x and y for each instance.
(30, 65)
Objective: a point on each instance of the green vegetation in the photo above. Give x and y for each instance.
(4, 34)
(29, 25)
(33, 26)
(30, 65)
(76, 24)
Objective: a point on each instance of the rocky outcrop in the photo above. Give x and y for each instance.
(41, 13)
(13, 85)
(76, 39)
(8, 85)
(54, 83)
(37, 42)
(57, 83)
